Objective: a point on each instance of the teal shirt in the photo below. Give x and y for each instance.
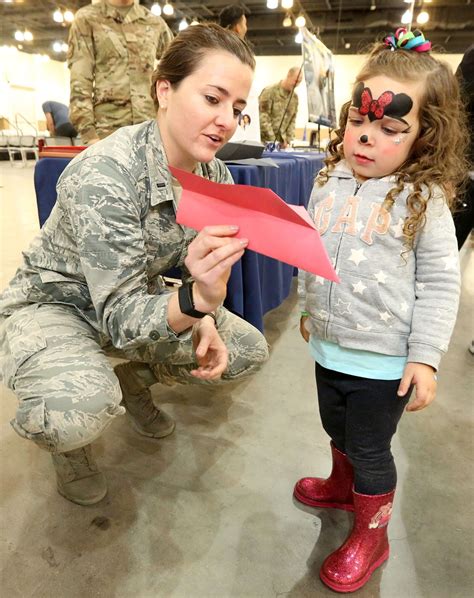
(365, 364)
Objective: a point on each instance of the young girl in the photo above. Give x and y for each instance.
(382, 205)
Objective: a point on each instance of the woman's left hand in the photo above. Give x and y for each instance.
(423, 377)
(211, 352)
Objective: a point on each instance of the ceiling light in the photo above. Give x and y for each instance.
(19, 36)
(300, 21)
(423, 17)
(168, 9)
(373, 6)
(287, 21)
(347, 45)
(58, 16)
(57, 47)
(28, 36)
(69, 16)
(287, 4)
(64, 47)
(272, 4)
(156, 9)
(183, 24)
(299, 38)
(194, 22)
(407, 17)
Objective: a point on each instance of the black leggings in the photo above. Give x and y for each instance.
(361, 416)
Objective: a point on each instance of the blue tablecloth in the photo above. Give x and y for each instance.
(257, 283)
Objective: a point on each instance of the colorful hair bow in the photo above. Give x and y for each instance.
(407, 40)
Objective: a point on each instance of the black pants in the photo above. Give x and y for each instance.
(361, 416)
(464, 216)
(65, 130)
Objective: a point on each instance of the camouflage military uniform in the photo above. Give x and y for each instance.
(90, 284)
(272, 103)
(111, 58)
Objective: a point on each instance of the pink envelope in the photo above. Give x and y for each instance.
(273, 227)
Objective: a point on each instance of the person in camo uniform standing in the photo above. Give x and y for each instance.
(278, 106)
(91, 286)
(113, 45)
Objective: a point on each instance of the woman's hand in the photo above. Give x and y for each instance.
(211, 352)
(303, 329)
(423, 377)
(210, 257)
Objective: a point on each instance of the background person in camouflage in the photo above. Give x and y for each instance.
(113, 45)
(91, 283)
(273, 102)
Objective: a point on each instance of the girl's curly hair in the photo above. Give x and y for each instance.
(437, 158)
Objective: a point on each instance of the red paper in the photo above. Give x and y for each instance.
(273, 227)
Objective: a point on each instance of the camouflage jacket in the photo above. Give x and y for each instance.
(111, 59)
(110, 235)
(272, 104)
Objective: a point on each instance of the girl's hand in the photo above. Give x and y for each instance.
(211, 352)
(303, 330)
(210, 257)
(423, 377)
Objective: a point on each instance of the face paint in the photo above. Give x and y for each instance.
(394, 105)
(378, 139)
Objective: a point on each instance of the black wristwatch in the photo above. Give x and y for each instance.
(186, 301)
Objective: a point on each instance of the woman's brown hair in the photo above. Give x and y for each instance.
(437, 158)
(184, 54)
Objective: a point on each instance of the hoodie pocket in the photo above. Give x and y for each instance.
(357, 303)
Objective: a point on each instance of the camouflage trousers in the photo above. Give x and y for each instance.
(56, 363)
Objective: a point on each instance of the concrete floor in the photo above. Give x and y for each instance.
(208, 511)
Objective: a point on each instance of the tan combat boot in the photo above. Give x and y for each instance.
(135, 381)
(78, 477)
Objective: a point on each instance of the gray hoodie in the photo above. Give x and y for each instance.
(390, 300)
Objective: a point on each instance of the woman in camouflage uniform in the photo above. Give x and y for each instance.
(90, 284)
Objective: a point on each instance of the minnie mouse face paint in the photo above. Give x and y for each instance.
(394, 105)
(382, 126)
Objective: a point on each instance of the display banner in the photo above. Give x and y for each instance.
(248, 128)
(318, 67)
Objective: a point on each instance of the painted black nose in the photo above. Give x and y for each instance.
(363, 138)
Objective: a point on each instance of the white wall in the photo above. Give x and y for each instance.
(26, 81)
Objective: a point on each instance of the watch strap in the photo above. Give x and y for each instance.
(186, 301)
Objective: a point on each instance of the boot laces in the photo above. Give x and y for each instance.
(143, 406)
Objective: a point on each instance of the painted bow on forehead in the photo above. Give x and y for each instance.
(390, 104)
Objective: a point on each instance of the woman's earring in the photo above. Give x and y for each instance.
(363, 138)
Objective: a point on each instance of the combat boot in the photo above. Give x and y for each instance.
(135, 380)
(78, 477)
